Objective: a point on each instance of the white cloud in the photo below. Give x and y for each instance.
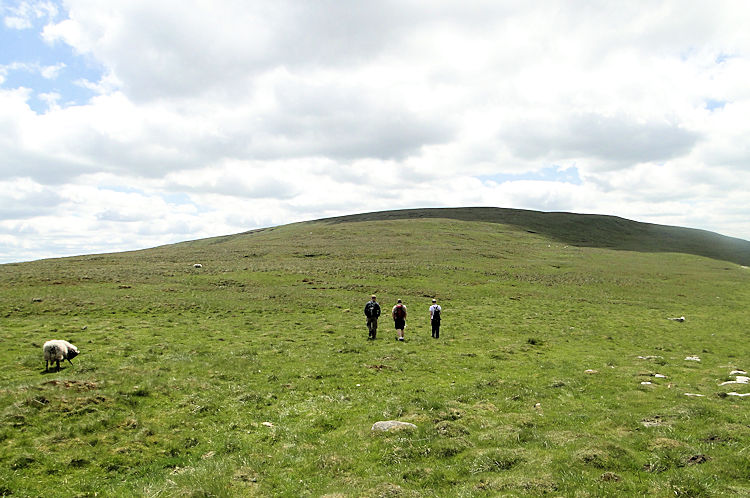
(23, 14)
(274, 111)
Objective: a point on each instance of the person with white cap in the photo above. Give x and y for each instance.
(435, 312)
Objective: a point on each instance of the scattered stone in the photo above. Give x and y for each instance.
(392, 425)
(36, 300)
(591, 371)
(696, 395)
(692, 358)
(660, 376)
(645, 383)
(267, 424)
(738, 394)
(738, 380)
(679, 319)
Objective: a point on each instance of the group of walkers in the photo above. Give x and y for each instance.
(398, 313)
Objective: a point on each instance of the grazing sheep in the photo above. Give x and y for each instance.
(58, 350)
(197, 265)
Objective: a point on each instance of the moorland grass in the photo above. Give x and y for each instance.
(253, 375)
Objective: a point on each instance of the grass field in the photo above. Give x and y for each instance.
(253, 375)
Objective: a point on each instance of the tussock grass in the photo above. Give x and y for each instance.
(253, 376)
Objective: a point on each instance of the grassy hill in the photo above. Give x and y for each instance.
(557, 372)
(587, 230)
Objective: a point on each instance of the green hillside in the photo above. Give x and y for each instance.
(558, 370)
(587, 230)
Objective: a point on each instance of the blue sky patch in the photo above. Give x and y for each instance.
(175, 198)
(712, 104)
(550, 174)
(26, 60)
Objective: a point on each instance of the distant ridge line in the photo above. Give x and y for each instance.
(584, 230)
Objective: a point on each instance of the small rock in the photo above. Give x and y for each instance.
(590, 371)
(660, 376)
(392, 425)
(738, 394)
(36, 300)
(650, 357)
(645, 383)
(739, 379)
(679, 319)
(695, 395)
(737, 372)
(197, 265)
(267, 424)
(692, 358)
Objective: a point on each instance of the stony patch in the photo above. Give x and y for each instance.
(392, 425)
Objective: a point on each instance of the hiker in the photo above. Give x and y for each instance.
(372, 312)
(399, 319)
(435, 312)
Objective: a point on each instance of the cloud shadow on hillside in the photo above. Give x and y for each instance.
(585, 230)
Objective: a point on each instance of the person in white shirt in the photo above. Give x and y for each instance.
(435, 312)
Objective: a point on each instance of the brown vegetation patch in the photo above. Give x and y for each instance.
(664, 442)
(698, 459)
(78, 385)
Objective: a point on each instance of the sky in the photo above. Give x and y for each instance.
(129, 124)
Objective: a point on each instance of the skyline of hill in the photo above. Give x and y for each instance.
(584, 230)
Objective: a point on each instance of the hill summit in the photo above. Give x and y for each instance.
(585, 230)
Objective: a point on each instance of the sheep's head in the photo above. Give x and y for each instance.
(72, 353)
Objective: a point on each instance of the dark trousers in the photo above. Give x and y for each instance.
(435, 328)
(372, 327)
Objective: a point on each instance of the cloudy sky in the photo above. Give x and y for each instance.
(128, 124)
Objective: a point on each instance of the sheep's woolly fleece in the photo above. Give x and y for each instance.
(57, 350)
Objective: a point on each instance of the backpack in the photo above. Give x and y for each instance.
(436, 314)
(371, 310)
(399, 311)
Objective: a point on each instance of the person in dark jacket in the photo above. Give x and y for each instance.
(372, 312)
